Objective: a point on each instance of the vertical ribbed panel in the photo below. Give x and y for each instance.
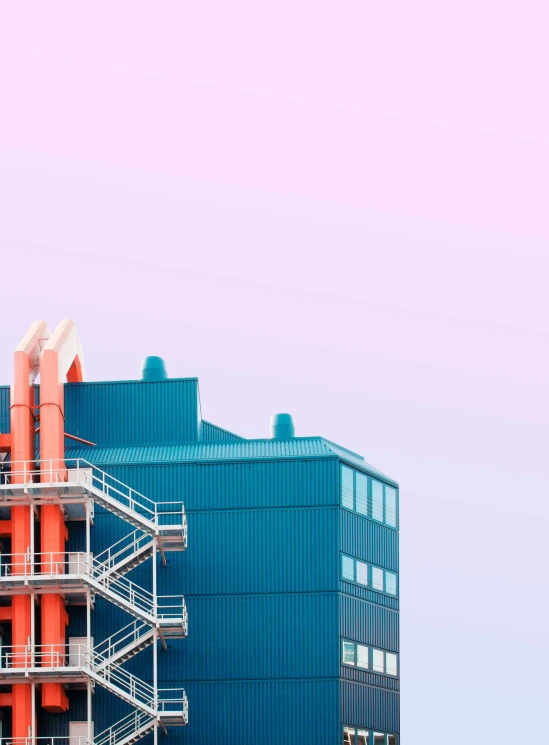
(133, 412)
(259, 637)
(369, 707)
(258, 551)
(211, 432)
(368, 540)
(369, 623)
(365, 593)
(252, 484)
(4, 409)
(270, 713)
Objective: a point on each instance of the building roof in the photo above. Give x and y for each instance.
(215, 451)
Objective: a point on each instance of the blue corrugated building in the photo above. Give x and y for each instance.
(290, 576)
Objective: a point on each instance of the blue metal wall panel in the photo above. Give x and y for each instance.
(4, 408)
(133, 412)
(213, 432)
(368, 540)
(372, 596)
(258, 637)
(251, 485)
(271, 713)
(369, 623)
(369, 707)
(370, 678)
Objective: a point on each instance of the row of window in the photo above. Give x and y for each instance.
(358, 736)
(369, 658)
(368, 496)
(353, 570)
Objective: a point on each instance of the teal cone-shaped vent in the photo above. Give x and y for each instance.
(153, 368)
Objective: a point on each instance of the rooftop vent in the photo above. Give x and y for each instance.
(153, 368)
(282, 427)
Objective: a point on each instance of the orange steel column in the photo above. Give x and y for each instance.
(22, 453)
(59, 358)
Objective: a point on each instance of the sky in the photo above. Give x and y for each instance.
(333, 209)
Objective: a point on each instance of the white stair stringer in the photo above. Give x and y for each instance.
(127, 731)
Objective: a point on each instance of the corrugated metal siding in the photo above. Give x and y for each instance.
(257, 551)
(213, 432)
(4, 408)
(364, 593)
(369, 707)
(270, 713)
(259, 637)
(203, 451)
(368, 540)
(133, 412)
(369, 678)
(236, 485)
(369, 623)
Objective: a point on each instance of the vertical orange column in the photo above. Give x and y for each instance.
(22, 439)
(53, 531)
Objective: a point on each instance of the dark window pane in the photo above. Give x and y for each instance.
(361, 493)
(377, 500)
(392, 739)
(379, 738)
(347, 499)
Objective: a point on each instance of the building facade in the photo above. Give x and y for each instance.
(290, 579)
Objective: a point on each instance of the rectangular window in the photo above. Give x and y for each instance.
(391, 664)
(377, 500)
(378, 661)
(379, 738)
(349, 653)
(390, 506)
(348, 568)
(377, 578)
(361, 573)
(392, 740)
(390, 583)
(362, 656)
(347, 488)
(361, 493)
(363, 737)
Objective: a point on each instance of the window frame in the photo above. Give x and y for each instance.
(354, 729)
(370, 654)
(369, 511)
(370, 573)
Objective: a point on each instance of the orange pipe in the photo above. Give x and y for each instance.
(58, 359)
(22, 450)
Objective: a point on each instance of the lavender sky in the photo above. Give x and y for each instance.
(334, 209)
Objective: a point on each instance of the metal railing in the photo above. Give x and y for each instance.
(78, 472)
(30, 657)
(124, 729)
(59, 740)
(123, 549)
(131, 635)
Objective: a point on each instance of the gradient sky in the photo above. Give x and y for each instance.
(335, 209)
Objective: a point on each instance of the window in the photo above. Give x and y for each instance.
(369, 497)
(377, 579)
(360, 736)
(361, 573)
(349, 653)
(354, 570)
(378, 661)
(390, 506)
(391, 664)
(361, 493)
(390, 583)
(362, 656)
(369, 658)
(347, 489)
(348, 568)
(377, 500)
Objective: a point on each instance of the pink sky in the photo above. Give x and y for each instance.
(335, 209)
